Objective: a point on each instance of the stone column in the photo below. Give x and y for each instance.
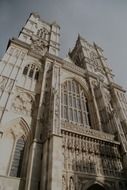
(34, 167)
(35, 156)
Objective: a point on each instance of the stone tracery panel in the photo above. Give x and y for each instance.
(89, 155)
(74, 104)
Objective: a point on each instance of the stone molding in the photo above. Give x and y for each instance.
(88, 132)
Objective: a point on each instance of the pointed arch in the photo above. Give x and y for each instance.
(64, 187)
(74, 103)
(21, 135)
(13, 125)
(96, 187)
(31, 70)
(96, 184)
(82, 82)
(71, 184)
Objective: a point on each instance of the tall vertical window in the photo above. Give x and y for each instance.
(25, 70)
(31, 71)
(74, 106)
(17, 158)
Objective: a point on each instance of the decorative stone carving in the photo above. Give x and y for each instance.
(95, 83)
(71, 184)
(63, 183)
(23, 103)
(42, 33)
(85, 154)
(6, 84)
(96, 63)
(86, 131)
(39, 45)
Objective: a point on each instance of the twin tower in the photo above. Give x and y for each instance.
(63, 122)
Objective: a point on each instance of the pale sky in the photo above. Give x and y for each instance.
(102, 21)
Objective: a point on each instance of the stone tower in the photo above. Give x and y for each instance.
(63, 122)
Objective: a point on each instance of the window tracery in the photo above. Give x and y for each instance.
(42, 33)
(31, 71)
(96, 62)
(25, 71)
(74, 105)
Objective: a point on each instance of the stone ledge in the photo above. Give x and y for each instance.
(88, 132)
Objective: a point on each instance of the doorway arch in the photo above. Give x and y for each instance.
(96, 187)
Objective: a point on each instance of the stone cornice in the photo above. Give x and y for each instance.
(35, 55)
(26, 46)
(72, 67)
(97, 176)
(89, 132)
(18, 42)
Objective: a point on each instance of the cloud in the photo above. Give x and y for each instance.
(102, 21)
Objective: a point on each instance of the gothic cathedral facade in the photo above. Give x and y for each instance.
(63, 122)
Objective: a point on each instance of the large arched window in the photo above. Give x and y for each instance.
(74, 105)
(17, 158)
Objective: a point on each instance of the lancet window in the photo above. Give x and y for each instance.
(17, 158)
(74, 104)
(31, 71)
